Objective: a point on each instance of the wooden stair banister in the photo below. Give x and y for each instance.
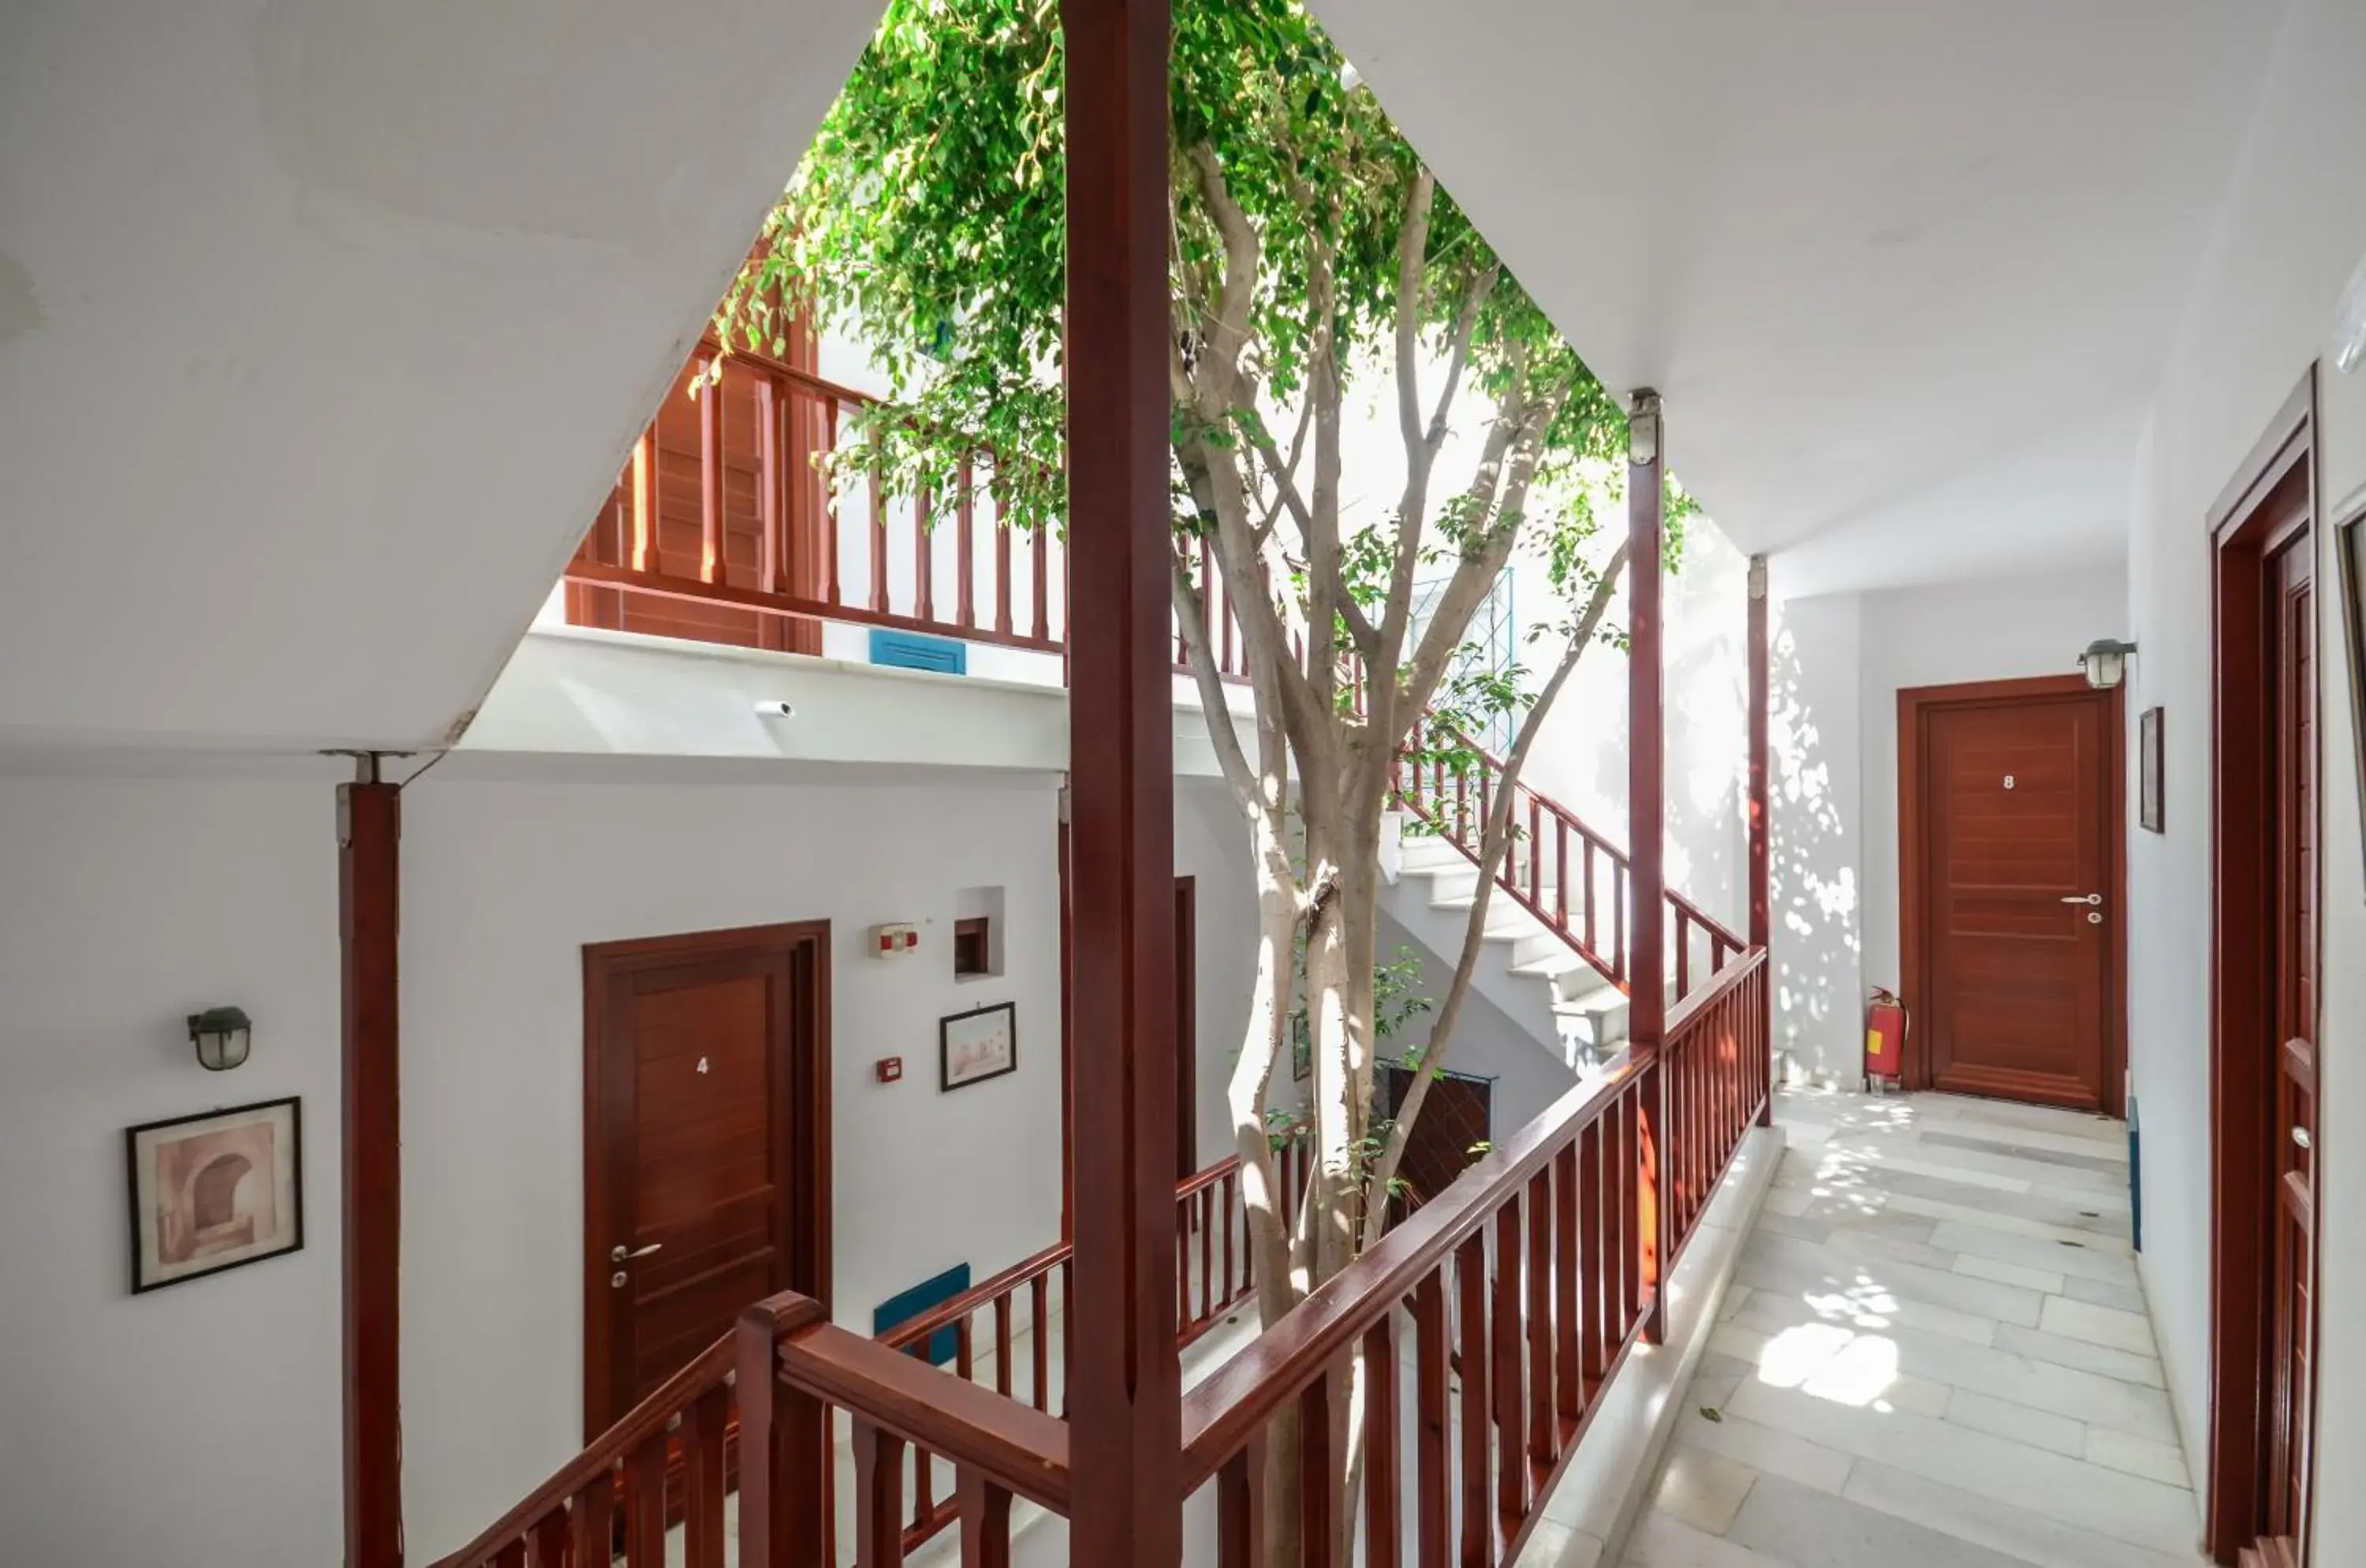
(1554, 849)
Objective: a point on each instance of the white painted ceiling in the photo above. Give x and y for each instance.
(325, 323)
(1907, 272)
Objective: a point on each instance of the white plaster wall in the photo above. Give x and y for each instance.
(502, 886)
(1815, 747)
(2262, 311)
(197, 1424)
(1936, 637)
(1580, 757)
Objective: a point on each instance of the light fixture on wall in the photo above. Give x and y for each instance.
(223, 1037)
(2106, 662)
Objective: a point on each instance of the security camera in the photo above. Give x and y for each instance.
(774, 709)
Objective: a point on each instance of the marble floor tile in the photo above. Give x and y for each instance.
(2070, 1491)
(1704, 1490)
(1764, 1449)
(1660, 1541)
(2138, 1456)
(2022, 1423)
(2122, 1298)
(2076, 1258)
(2026, 1537)
(2104, 1326)
(2084, 1354)
(1789, 1521)
(2037, 1280)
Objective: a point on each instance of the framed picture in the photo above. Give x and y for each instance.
(978, 1045)
(2349, 562)
(212, 1192)
(2149, 771)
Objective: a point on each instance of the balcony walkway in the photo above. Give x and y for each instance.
(1935, 1354)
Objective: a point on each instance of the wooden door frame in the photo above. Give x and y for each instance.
(804, 1078)
(2244, 531)
(1915, 705)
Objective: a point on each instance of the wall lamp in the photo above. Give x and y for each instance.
(223, 1037)
(2106, 662)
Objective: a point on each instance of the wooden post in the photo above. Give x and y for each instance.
(1125, 1399)
(370, 834)
(1762, 891)
(1646, 977)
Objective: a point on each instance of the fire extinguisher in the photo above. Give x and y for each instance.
(1885, 1039)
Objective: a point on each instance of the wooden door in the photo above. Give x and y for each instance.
(1186, 1028)
(706, 1148)
(2011, 811)
(2291, 614)
(2263, 966)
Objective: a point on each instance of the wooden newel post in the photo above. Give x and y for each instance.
(369, 876)
(1125, 1395)
(1646, 799)
(1762, 891)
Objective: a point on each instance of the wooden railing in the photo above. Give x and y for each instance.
(726, 526)
(1720, 1068)
(1524, 1285)
(1556, 867)
(1212, 1224)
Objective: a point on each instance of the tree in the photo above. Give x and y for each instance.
(1313, 252)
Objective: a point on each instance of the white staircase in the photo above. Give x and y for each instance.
(1526, 969)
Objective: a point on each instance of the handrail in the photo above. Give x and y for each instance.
(1251, 1388)
(707, 1373)
(1538, 877)
(1016, 1446)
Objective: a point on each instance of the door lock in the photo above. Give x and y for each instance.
(619, 1255)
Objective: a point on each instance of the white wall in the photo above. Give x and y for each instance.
(1937, 637)
(1817, 831)
(1579, 757)
(1839, 662)
(200, 1424)
(197, 1424)
(2261, 311)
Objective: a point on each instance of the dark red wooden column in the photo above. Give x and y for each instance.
(1761, 892)
(369, 833)
(1646, 799)
(1125, 1399)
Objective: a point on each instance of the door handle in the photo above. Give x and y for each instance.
(2084, 898)
(619, 1255)
(2300, 1136)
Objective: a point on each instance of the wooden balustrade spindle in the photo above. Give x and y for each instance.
(1535, 849)
(1568, 1320)
(1544, 1428)
(710, 479)
(1504, 1335)
(878, 1503)
(703, 1429)
(511, 1556)
(1383, 1511)
(1002, 1345)
(1039, 1296)
(923, 554)
(1432, 1500)
(984, 1521)
(644, 1520)
(1001, 568)
(1039, 542)
(829, 514)
(965, 544)
(772, 488)
(1596, 1274)
(591, 1521)
(545, 1543)
(1470, 1291)
(1241, 1506)
(878, 531)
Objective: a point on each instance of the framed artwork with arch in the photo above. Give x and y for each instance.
(215, 1190)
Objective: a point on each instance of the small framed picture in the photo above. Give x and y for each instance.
(978, 1045)
(212, 1192)
(2148, 807)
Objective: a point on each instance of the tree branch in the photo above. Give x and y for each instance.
(1493, 843)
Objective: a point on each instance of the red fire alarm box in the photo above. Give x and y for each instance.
(890, 1068)
(1885, 1039)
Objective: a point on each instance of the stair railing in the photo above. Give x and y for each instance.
(1451, 784)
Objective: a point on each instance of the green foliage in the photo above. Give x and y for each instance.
(927, 219)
